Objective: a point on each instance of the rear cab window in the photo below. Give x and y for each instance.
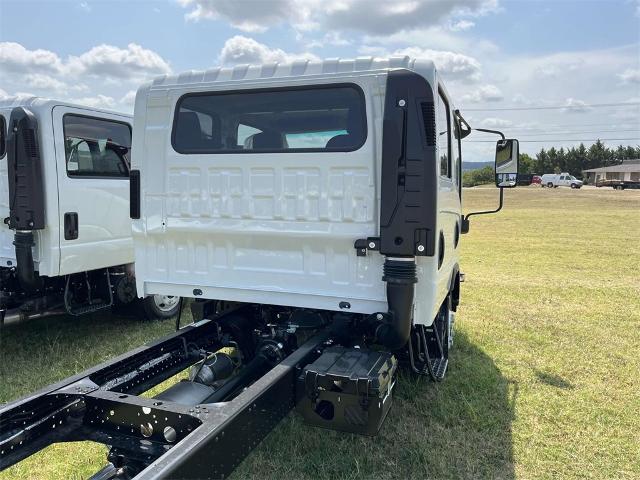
(96, 147)
(304, 119)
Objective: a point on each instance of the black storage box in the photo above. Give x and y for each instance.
(347, 389)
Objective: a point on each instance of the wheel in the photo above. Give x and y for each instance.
(574, 186)
(550, 185)
(619, 187)
(160, 306)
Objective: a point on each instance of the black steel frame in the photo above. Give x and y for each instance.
(160, 439)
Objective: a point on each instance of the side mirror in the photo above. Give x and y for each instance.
(507, 157)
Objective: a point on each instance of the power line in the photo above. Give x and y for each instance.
(567, 132)
(566, 125)
(554, 107)
(552, 140)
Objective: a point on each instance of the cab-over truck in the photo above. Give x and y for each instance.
(313, 210)
(65, 232)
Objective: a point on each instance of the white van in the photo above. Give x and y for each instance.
(553, 180)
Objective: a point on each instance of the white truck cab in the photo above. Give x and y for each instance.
(332, 185)
(257, 181)
(64, 206)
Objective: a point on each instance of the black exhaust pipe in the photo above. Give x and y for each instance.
(29, 279)
(400, 275)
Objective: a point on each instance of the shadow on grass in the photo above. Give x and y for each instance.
(460, 428)
(553, 380)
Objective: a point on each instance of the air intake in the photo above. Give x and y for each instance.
(429, 122)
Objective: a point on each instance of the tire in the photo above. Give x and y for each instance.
(574, 186)
(550, 185)
(158, 307)
(619, 187)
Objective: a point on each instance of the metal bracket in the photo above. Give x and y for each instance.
(363, 244)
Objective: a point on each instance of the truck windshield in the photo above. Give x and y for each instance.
(318, 118)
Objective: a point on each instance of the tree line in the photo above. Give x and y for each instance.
(572, 160)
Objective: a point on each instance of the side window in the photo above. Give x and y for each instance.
(444, 136)
(316, 119)
(456, 152)
(96, 147)
(3, 136)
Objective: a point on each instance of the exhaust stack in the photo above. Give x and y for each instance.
(400, 275)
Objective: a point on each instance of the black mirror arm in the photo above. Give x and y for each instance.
(490, 131)
(465, 219)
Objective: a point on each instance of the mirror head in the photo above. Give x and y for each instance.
(507, 156)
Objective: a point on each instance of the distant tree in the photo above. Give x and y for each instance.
(598, 155)
(542, 159)
(527, 164)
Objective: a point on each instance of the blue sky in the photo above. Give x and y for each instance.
(494, 53)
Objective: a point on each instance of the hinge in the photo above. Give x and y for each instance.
(363, 244)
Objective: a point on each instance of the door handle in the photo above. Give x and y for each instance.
(70, 226)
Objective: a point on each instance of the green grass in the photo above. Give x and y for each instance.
(544, 379)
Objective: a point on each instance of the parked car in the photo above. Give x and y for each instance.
(536, 180)
(553, 180)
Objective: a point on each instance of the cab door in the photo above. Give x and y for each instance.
(92, 157)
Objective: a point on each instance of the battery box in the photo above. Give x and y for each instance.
(347, 389)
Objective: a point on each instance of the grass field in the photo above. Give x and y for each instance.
(544, 381)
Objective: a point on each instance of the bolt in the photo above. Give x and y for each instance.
(421, 248)
(372, 245)
(379, 316)
(402, 103)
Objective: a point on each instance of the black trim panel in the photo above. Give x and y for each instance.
(409, 190)
(134, 194)
(26, 187)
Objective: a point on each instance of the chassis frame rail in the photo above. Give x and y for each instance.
(149, 438)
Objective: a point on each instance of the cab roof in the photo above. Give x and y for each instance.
(303, 68)
(40, 104)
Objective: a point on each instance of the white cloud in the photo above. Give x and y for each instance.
(3, 94)
(45, 82)
(573, 105)
(249, 16)
(485, 93)
(461, 25)
(492, 122)
(630, 75)
(98, 101)
(373, 17)
(452, 65)
(17, 59)
(240, 49)
(85, 6)
(108, 60)
(129, 98)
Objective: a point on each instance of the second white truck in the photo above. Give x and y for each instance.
(65, 232)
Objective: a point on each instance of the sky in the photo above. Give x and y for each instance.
(550, 73)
